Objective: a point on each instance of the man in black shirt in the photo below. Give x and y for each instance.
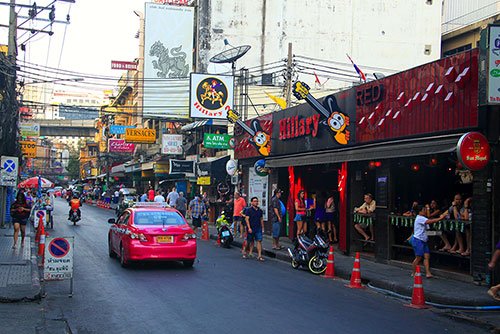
(255, 225)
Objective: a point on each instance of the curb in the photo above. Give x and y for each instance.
(406, 290)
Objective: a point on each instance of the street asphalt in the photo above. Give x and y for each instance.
(223, 293)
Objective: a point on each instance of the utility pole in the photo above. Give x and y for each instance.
(289, 75)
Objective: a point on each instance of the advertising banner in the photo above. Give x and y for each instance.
(120, 146)
(214, 140)
(123, 65)
(168, 60)
(28, 148)
(257, 187)
(9, 171)
(181, 166)
(493, 63)
(147, 136)
(211, 96)
(171, 144)
(119, 129)
(29, 129)
(473, 151)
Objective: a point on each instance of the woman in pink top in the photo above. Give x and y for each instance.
(300, 212)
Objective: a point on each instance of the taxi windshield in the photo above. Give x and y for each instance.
(158, 218)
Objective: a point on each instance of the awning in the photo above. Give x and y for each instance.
(118, 170)
(197, 124)
(387, 150)
(215, 168)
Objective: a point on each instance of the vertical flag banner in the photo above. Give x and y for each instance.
(360, 73)
(168, 60)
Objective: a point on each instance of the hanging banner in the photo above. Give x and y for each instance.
(28, 148)
(147, 136)
(211, 96)
(119, 129)
(29, 129)
(220, 141)
(168, 60)
(171, 144)
(493, 62)
(181, 166)
(120, 146)
(123, 65)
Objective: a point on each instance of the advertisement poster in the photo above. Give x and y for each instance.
(171, 144)
(120, 146)
(257, 187)
(211, 96)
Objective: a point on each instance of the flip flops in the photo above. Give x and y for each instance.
(261, 259)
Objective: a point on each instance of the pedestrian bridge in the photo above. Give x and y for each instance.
(67, 127)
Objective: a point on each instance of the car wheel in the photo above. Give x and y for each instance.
(188, 264)
(123, 261)
(111, 253)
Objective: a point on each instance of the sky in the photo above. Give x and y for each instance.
(99, 31)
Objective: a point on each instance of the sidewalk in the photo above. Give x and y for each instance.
(19, 278)
(438, 290)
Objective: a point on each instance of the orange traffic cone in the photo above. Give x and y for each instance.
(356, 275)
(417, 297)
(41, 245)
(330, 266)
(37, 235)
(204, 231)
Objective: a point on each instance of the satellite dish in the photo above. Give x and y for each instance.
(230, 55)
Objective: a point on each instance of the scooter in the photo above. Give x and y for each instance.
(224, 232)
(310, 253)
(73, 217)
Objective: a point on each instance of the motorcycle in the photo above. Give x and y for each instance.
(73, 217)
(224, 232)
(313, 253)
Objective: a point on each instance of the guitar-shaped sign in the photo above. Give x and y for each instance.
(336, 120)
(260, 139)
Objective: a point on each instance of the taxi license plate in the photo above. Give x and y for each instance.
(164, 239)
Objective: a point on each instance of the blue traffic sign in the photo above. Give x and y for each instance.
(59, 247)
(9, 166)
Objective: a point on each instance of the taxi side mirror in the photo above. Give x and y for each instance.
(111, 221)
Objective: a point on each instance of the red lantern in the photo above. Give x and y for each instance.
(433, 162)
(371, 165)
(378, 164)
(415, 167)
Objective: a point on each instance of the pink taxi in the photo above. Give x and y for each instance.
(151, 233)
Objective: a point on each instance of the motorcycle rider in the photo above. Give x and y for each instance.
(75, 206)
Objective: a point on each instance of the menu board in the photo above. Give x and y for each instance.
(382, 191)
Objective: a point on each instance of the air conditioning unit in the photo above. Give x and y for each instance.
(267, 79)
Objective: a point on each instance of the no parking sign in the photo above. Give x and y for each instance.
(40, 214)
(58, 263)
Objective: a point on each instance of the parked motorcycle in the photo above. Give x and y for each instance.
(73, 217)
(223, 230)
(310, 253)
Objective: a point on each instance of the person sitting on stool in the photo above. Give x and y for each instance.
(367, 208)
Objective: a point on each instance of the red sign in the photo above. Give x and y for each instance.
(473, 151)
(123, 65)
(120, 146)
(292, 127)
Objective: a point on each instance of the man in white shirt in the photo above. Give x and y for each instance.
(172, 197)
(159, 198)
(419, 237)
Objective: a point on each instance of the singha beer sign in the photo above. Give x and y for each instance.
(211, 96)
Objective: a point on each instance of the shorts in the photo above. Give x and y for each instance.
(298, 218)
(363, 225)
(256, 235)
(238, 219)
(197, 221)
(20, 221)
(329, 217)
(419, 247)
(276, 229)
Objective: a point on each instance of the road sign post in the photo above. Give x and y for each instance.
(58, 264)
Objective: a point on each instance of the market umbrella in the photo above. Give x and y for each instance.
(32, 182)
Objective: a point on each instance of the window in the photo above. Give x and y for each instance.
(457, 50)
(158, 218)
